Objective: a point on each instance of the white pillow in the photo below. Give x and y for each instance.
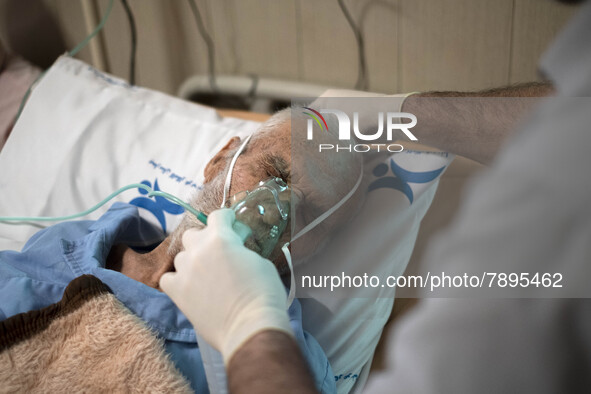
(83, 134)
(378, 241)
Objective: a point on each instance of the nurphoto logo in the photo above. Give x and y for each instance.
(393, 121)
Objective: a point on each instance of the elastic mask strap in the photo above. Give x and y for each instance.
(292, 286)
(231, 169)
(318, 220)
(326, 214)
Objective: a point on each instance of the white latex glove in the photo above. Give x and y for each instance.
(228, 292)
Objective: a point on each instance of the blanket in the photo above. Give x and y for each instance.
(87, 342)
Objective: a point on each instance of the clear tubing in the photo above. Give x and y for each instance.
(72, 53)
(230, 169)
(94, 32)
(151, 192)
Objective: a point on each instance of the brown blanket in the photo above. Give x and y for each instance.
(87, 342)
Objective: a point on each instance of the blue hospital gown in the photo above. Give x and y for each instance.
(53, 257)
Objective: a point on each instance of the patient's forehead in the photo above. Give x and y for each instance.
(273, 153)
(268, 154)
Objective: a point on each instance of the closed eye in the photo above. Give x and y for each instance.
(275, 166)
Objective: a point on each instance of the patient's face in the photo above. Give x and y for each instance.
(268, 154)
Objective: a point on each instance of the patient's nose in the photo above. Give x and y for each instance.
(270, 212)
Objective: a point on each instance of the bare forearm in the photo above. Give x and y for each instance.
(472, 124)
(530, 89)
(270, 362)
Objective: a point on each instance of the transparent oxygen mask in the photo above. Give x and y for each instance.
(264, 212)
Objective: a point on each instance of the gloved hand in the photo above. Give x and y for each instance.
(228, 292)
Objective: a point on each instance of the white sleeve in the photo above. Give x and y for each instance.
(528, 213)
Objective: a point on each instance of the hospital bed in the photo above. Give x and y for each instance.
(85, 134)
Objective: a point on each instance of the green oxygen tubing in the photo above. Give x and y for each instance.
(151, 192)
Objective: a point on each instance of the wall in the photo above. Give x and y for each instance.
(410, 44)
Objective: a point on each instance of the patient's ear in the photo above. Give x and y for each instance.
(218, 162)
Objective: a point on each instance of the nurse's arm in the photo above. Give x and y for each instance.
(269, 362)
(472, 124)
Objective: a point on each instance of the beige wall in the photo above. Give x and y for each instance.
(410, 44)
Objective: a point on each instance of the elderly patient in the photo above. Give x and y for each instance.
(268, 154)
(121, 241)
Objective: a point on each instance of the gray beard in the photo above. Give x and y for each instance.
(206, 200)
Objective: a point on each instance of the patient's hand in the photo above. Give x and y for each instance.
(146, 268)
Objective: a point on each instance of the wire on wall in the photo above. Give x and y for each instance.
(133, 30)
(362, 82)
(208, 42)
